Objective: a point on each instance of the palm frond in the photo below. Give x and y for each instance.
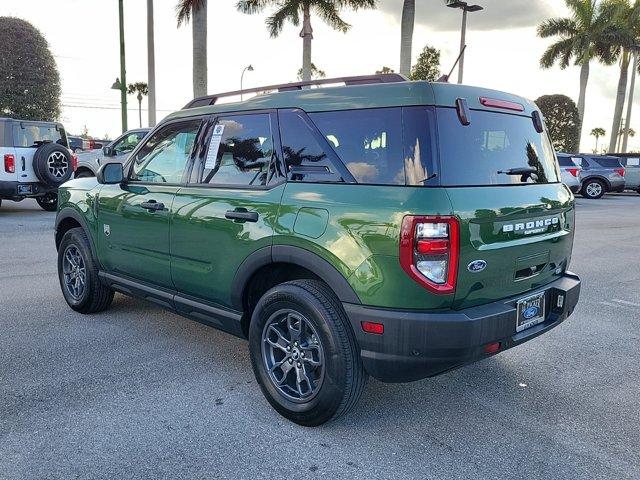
(562, 50)
(184, 8)
(253, 6)
(557, 26)
(327, 10)
(290, 11)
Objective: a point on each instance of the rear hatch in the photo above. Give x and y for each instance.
(27, 137)
(516, 229)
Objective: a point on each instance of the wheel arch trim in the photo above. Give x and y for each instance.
(296, 256)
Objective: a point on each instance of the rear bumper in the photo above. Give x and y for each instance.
(417, 345)
(13, 189)
(617, 185)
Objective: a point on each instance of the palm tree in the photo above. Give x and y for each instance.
(142, 89)
(406, 35)
(315, 72)
(292, 10)
(598, 132)
(581, 38)
(185, 10)
(626, 18)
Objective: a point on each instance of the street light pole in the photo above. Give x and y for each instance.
(151, 65)
(123, 73)
(465, 7)
(248, 67)
(463, 40)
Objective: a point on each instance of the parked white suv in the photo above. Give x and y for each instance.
(36, 160)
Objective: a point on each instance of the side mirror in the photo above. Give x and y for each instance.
(108, 151)
(110, 174)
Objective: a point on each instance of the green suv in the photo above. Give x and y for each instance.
(382, 227)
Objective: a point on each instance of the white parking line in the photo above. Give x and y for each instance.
(625, 302)
(629, 305)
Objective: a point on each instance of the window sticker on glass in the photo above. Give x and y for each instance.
(214, 146)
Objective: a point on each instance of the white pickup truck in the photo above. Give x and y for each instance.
(36, 160)
(117, 151)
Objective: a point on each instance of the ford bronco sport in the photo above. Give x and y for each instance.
(36, 161)
(387, 228)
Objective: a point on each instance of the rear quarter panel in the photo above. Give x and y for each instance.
(357, 229)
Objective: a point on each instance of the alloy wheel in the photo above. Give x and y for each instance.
(74, 271)
(57, 164)
(293, 355)
(594, 189)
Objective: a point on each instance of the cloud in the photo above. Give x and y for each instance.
(497, 14)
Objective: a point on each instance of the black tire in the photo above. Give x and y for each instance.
(48, 202)
(343, 377)
(593, 189)
(95, 296)
(52, 164)
(84, 174)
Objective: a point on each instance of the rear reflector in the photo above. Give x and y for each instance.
(492, 347)
(495, 103)
(372, 327)
(9, 163)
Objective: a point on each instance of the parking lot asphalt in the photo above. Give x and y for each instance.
(137, 392)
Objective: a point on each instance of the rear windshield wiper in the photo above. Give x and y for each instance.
(524, 172)
(519, 171)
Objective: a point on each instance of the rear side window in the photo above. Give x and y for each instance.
(492, 143)
(565, 161)
(369, 142)
(31, 134)
(607, 162)
(306, 158)
(240, 151)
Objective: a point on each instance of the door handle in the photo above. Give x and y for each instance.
(152, 205)
(241, 215)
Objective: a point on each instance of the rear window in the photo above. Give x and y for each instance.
(492, 143)
(566, 161)
(608, 162)
(33, 134)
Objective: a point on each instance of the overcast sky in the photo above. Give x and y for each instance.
(503, 53)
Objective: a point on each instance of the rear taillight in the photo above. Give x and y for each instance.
(620, 171)
(573, 171)
(9, 163)
(429, 251)
(92, 145)
(74, 162)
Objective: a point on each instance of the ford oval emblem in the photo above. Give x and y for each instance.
(477, 266)
(530, 312)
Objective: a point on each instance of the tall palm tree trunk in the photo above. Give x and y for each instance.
(151, 65)
(406, 36)
(199, 24)
(584, 80)
(140, 108)
(620, 95)
(625, 137)
(307, 37)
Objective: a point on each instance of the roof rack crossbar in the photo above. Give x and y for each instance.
(286, 87)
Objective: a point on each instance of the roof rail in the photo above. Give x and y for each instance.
(285, 87)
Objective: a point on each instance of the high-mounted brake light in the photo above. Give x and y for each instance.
(9, 163)
(495, 103)
(429, 251)
(573, 171)
(620, 171)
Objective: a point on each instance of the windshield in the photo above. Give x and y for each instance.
(493, 143)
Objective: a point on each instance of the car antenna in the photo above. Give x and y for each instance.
(445, 78)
